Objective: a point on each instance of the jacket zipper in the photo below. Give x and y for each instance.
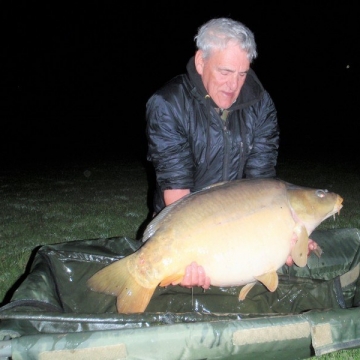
(242, 150)
(226, 150)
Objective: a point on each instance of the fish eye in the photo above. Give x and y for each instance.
(321, 193)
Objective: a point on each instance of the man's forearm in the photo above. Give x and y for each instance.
(173, 195)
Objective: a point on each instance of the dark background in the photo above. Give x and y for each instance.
(75, 78)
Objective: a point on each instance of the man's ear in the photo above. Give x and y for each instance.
(199, 62)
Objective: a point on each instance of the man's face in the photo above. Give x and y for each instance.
(223, 73)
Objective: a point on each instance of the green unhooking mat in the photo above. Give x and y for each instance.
(53, 315)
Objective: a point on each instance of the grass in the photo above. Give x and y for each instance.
(45, 204)
(63, 203)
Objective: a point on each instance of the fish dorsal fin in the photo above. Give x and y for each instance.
(154, 223)
(270, 280)
(299, 252)
(158, 219)
(214, 185)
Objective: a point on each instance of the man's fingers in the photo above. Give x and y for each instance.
(194, 280)
(190, 276)
(200, 276)
(186, 281)
(206, 283)
(289, 261)
(195, 276)
(312, 245)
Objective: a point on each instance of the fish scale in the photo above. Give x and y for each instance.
(241, 232)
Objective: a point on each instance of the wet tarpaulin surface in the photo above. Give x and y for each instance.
(313, 311)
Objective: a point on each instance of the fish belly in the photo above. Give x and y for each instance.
(239, 252)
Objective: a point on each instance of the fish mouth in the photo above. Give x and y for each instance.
(338, 206)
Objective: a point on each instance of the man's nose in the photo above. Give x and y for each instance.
(233, 83)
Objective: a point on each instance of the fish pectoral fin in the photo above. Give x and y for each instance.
(270, 280)
(245, 290)
(172, 280)
(299, 252)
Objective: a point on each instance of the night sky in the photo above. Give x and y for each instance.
(75, 79)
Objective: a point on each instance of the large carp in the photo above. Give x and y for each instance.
(240, 231)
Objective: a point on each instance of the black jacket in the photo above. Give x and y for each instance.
(191, 146)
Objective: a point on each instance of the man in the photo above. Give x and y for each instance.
(215, 123)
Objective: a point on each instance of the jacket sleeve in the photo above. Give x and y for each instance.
(262, 158)
(168, 145)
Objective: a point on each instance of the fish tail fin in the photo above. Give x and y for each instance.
(115, 279)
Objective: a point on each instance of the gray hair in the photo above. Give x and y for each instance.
(216, 34)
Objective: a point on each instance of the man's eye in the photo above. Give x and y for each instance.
(321, 193)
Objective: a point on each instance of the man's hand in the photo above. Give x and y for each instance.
(195, 276)
(312, 246)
